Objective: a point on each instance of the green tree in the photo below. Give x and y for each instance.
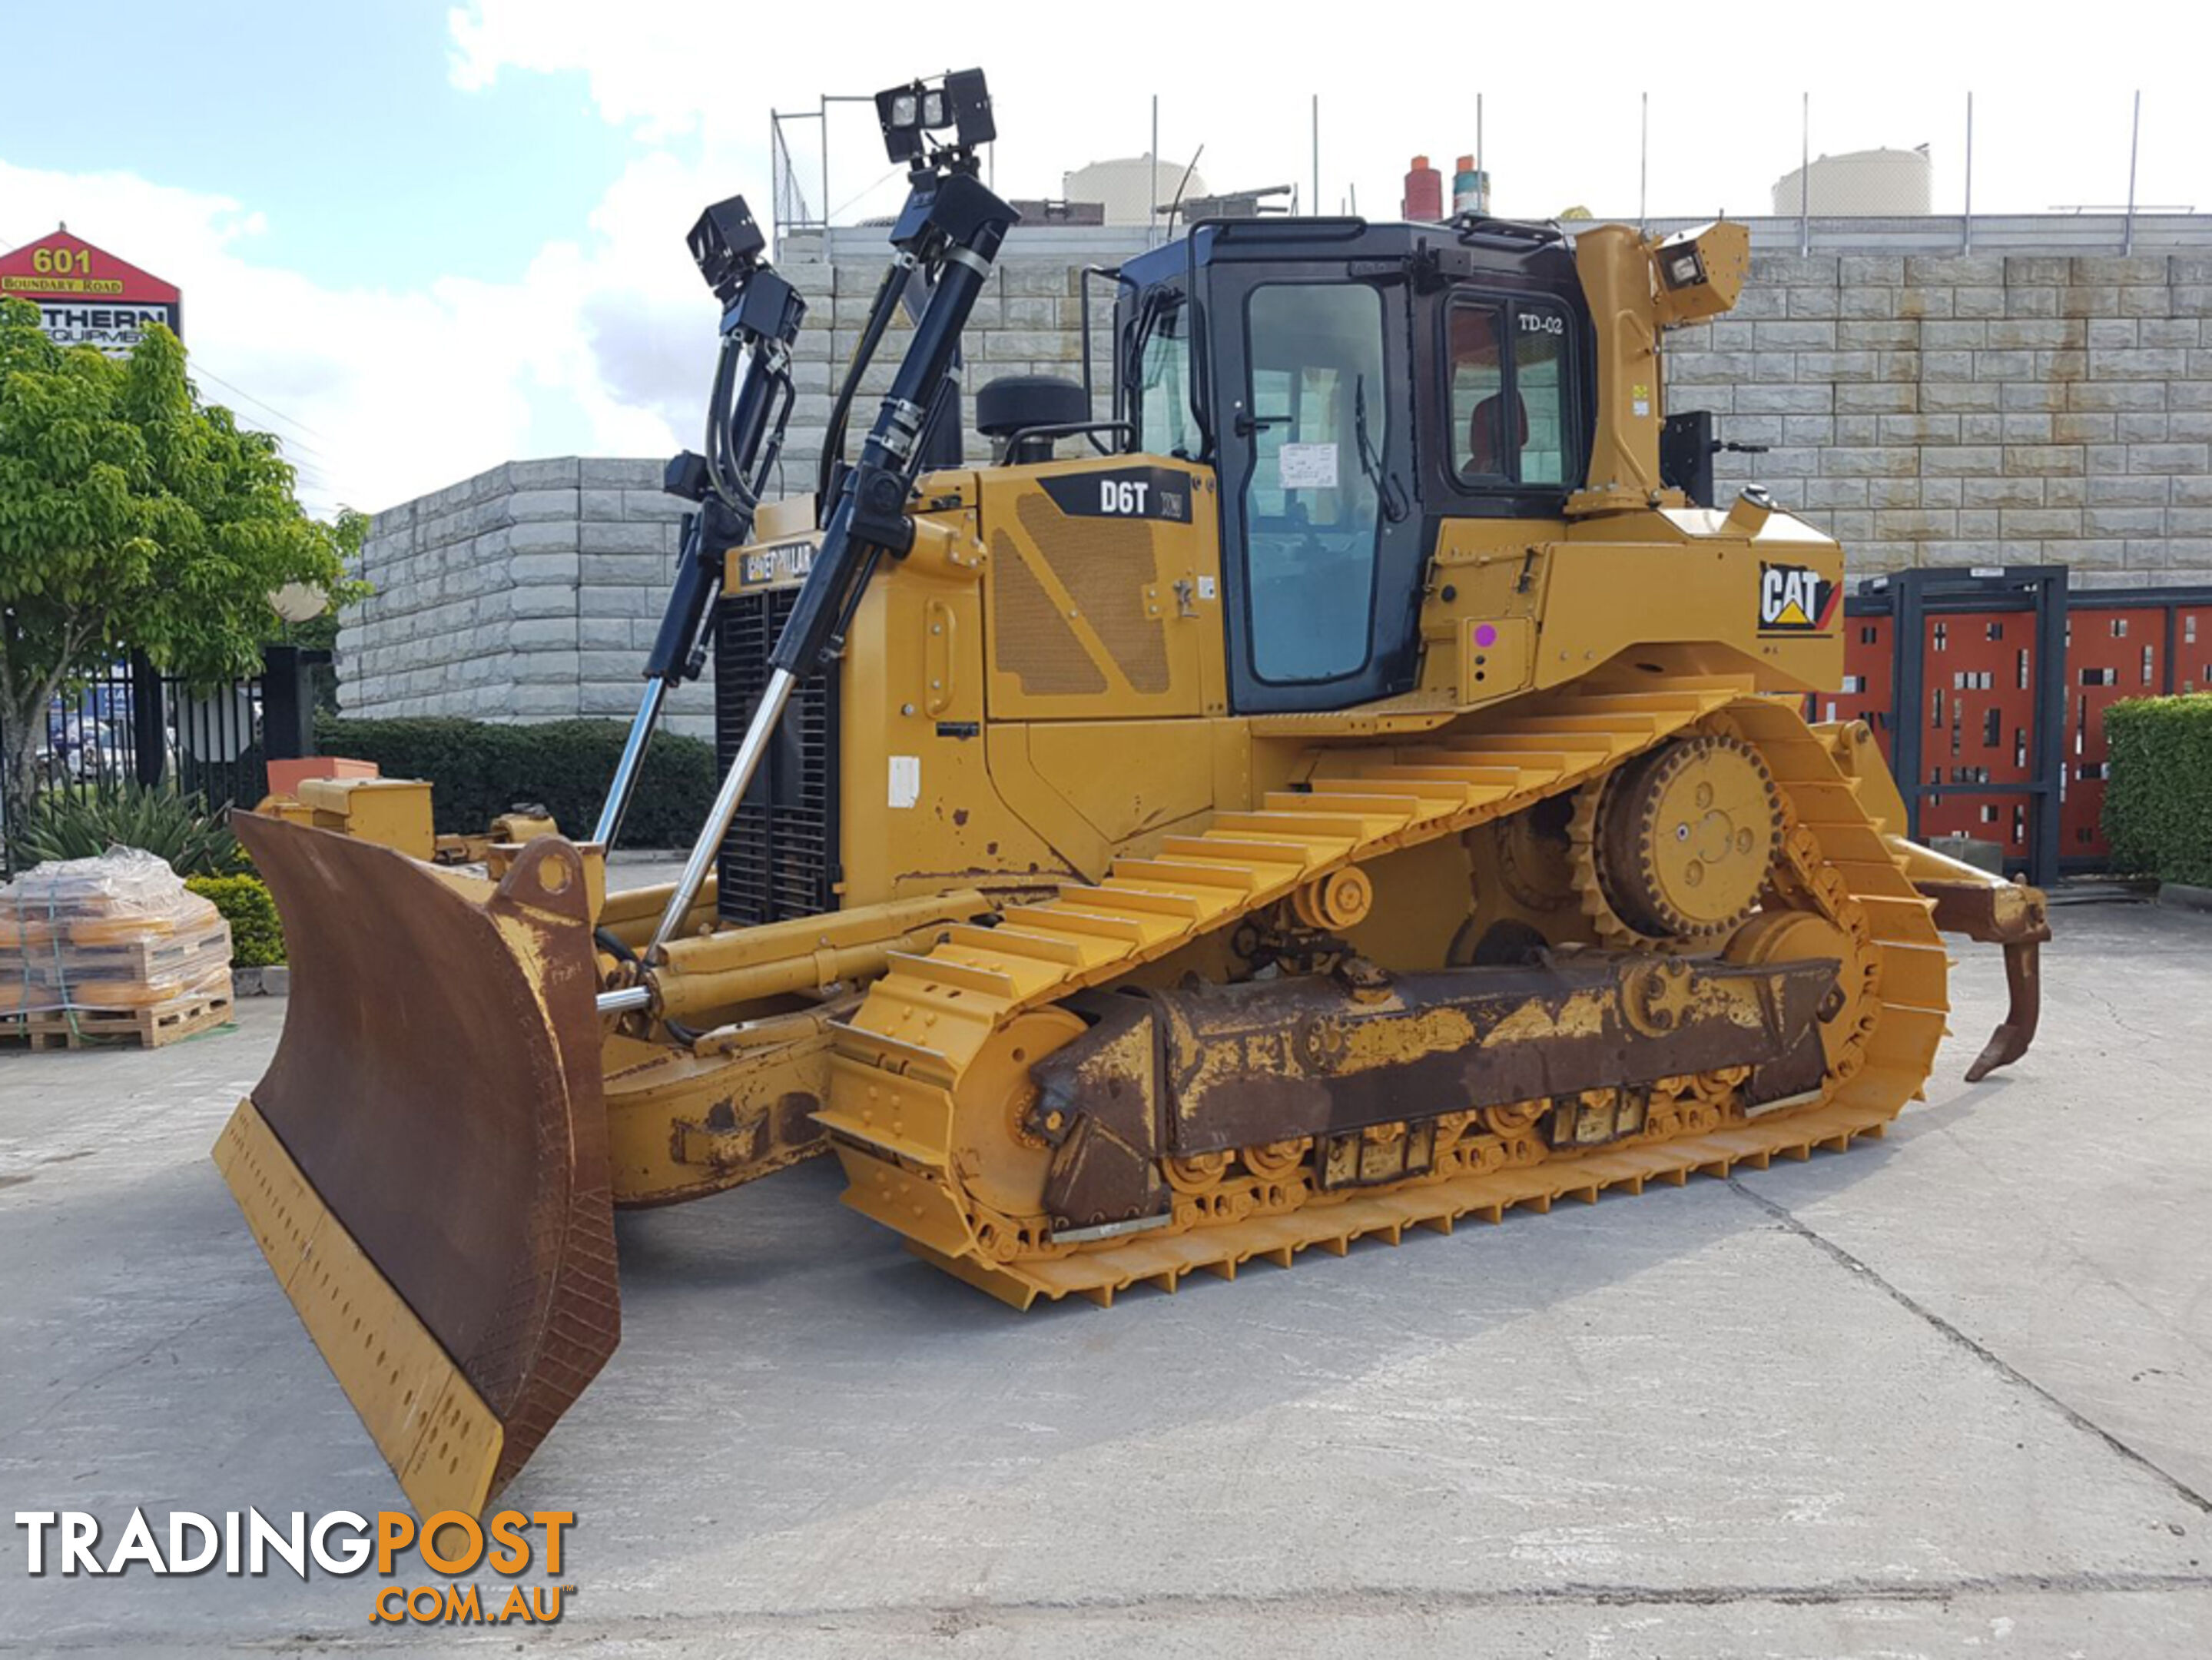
(132, 515)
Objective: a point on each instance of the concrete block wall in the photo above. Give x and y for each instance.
(2013, 409)
(2036, 403)
(528, 593)
(1935, 409)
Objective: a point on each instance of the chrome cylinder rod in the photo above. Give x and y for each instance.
(626, 769)
(735, 783)
(623, 999)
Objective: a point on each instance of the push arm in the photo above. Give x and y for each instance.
(951, 229)
(746, 412)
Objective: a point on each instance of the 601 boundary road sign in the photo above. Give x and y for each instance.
(88, 297)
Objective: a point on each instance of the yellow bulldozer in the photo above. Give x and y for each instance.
(1365, 786)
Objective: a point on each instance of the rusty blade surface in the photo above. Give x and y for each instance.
(2023, 1009)
(438, 1084)
(2018, 918)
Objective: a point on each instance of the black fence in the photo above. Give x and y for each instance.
(131, 723)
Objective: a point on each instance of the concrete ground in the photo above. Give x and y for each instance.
(1947, 1395)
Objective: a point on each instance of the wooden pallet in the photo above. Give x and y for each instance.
(149, 1027)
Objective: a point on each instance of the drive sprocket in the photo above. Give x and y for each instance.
(1674, 849)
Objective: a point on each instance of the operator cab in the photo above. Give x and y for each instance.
(1353, 386)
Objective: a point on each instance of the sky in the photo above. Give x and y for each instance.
(416, 240)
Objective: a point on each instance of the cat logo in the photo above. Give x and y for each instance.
(782, 562)
(1797, 599)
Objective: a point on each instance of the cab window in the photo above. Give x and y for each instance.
(1540, 359)
(1508, 377)
(1318, 414)
(1165, 425)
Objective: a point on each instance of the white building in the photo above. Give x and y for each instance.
(1133, 187)
(1881, 184)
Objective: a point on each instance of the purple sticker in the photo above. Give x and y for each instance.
(1485, 635)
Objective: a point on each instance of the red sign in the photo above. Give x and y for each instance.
(86, 296)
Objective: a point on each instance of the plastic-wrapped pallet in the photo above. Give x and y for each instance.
(113, 946)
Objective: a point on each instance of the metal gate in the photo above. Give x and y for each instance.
(130, 723)
(1987, 690)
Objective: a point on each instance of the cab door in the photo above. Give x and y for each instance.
(1321, 532)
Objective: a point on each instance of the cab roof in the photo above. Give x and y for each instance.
(1461, 248)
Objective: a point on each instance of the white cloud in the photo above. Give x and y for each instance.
(1561, 98)
(630, 60)
(603, 346)
(382, 394)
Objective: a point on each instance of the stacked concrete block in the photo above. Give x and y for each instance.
(1974, 411)
(528, 593)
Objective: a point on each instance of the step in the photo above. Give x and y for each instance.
(1409, 797)
(1632, 725)
(1524, 750)
(1137, 902)
(1175, 875)
(941, 970)
(1069, 919)
(1390, 809)
(1479, 785)
(1019, 942)
(1348, 828)
(1247, 852)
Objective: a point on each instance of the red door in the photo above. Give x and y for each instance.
(1979, 670)
(2111, 653)
(1977, 719)
(2192, 648)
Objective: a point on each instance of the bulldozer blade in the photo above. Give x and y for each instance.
(425, 1163)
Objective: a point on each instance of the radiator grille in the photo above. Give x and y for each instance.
(1105, 565)
(780, 859)
(1035, 641)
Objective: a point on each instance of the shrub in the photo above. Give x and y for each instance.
(2158, 796)
(478, 769)
(257, 937)
(84, 821)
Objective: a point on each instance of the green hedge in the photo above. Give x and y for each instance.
(257, 938)
(480, 769)
(2158, 799)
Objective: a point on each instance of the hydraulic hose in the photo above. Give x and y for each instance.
(864, 352)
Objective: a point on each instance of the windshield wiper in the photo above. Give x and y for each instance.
(1389, 492)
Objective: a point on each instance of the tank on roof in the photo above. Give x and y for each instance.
(1875, 183)
(1133, 187)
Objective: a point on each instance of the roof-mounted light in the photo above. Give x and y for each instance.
(958, 99)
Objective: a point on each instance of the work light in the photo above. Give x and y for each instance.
(1700, 272)
(725, 245)
(1684, 269)
(908, 114)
